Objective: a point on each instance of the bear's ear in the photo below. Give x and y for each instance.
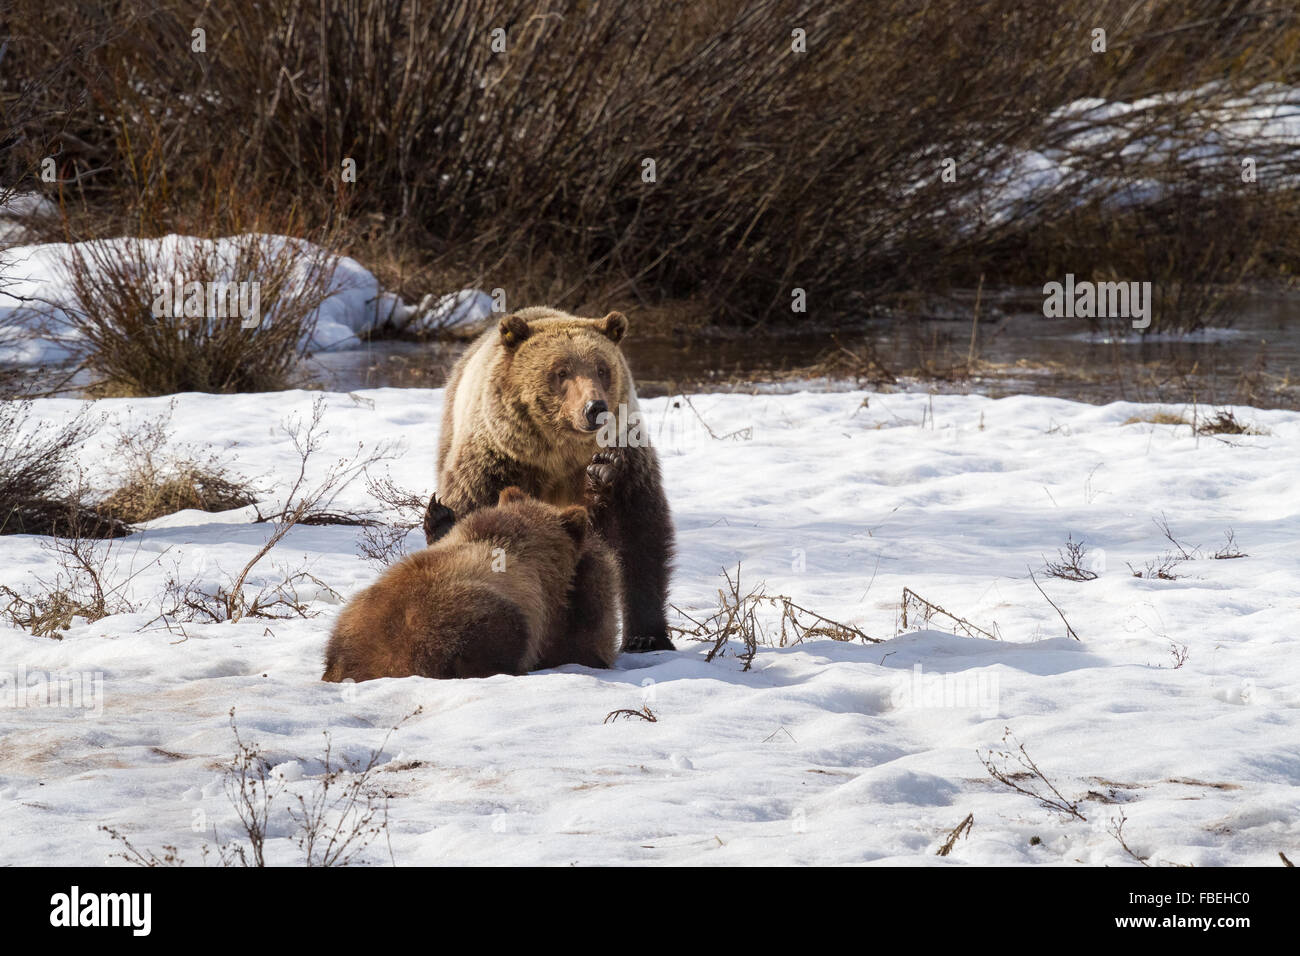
(510, 494)
(513, 331)
(615, 326)
(574, 519)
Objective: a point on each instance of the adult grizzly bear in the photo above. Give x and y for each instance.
(525, 406)
(507, 590)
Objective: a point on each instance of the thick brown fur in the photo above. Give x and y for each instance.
(517, 412)
(508, 589)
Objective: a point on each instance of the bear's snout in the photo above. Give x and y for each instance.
(592, 412)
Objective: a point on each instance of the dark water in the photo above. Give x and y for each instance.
(1253, 357)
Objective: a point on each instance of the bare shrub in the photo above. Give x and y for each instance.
(740, 615)
(1116, 829)
(1184, 553)
(1229, 550)
(1179, 653)
(134, 346)
(91, 582)
(383, 542)
(305, 501)
(335, 822)
(146, 857)
(279, 598)
(342, 814)
(44, 614)
(1069, 565)
(1164, 566)
(1161, 568)
(39, 488)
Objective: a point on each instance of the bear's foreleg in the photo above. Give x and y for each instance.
(587, 633)
(630, 511)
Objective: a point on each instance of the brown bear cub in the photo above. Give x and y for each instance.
(507, 590)
(530, 404)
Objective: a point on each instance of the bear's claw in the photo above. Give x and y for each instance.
(643, 643)
(602, 473)
(438, 520)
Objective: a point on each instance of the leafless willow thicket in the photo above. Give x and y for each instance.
(774, 169)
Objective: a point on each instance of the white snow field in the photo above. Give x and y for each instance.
(822, 753)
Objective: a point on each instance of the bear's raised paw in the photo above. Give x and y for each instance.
(602, 475)
(438, 520)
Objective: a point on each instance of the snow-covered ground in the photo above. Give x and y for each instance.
(1226, 131)
(824, 752)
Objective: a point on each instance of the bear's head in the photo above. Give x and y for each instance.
(550, 537)
(571, 521)
(565, 371)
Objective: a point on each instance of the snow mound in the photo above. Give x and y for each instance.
(37, 295)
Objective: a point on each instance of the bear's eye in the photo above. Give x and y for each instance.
(562, 373)
(603, 372)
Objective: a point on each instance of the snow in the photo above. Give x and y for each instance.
(823, 752)
(37, 331)
(1267, 118)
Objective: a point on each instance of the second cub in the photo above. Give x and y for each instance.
(507, 590)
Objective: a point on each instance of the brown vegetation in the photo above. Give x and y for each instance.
(775, 169)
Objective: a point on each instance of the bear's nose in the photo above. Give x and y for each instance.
(593, 411)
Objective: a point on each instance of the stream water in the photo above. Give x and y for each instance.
(1253, 358)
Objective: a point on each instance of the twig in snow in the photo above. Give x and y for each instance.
(645, 713)
(963, 829)
(1052, 800)
(1069, 630)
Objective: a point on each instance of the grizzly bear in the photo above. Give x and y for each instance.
(507, 590)
(528, 405)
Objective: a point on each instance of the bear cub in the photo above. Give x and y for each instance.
(506, 590)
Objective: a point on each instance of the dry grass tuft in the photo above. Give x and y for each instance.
(1225, 422)
(916, 611)
(1159, 417)
(153, 483)
(961, 830)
